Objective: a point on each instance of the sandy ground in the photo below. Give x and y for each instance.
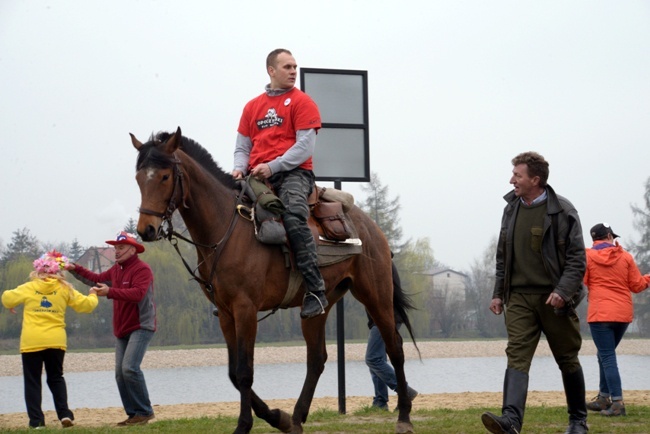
(79, 362)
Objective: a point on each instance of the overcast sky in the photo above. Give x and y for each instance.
(456, 89)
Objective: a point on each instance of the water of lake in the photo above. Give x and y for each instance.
(211, 384)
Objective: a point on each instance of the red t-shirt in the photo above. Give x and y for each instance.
(271, 123)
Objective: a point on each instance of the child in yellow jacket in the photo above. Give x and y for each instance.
(43, 340)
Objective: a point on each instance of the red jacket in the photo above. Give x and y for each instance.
(131, 288)
(612, 276)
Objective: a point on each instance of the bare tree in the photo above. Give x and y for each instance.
(383, 210)
(641, 251)
(479, 288)
(447, 311)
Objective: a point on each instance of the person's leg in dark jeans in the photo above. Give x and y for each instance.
(294, 188)
(32, 371)
(380, 371)
(53, 359)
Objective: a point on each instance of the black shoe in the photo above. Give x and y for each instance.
(380, 407)
(577, 427)
(313, 304)
(499, 424)
(411, 392)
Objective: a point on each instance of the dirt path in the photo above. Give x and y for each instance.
(78, 362)
(88, 417)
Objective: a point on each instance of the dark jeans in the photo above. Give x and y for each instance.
(293, 188)
(32, 371)
(129, 352)
(381, 372)
(607, 336)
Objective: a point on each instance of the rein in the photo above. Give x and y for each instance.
(166, 229)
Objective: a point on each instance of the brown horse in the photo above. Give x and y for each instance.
(242, 277)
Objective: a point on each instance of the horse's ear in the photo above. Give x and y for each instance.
(136, 143)
(172, 144)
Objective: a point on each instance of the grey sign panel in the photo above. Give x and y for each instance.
(342, 144)
(339, 154)
(339, 97)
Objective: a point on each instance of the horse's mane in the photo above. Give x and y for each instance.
(150, 155)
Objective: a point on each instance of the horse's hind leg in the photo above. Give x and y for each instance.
(395, 352)
(313, 331)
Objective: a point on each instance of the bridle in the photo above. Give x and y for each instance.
(171, 203)
(166, 229)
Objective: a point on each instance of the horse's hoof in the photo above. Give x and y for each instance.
(404, 428)
(285, 424)
(296, 429)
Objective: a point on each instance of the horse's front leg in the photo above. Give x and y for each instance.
(313, 331)
(238, 351)
(240, 330)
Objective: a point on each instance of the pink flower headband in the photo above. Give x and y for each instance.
(51, 262)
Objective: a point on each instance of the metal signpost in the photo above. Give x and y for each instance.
(342, 150)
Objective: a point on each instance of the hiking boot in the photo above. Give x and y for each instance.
(313, 304)
(616, 409)
(139, 419)
(383, 407)
(66, 422)
(599, 403)
(577, 427)
(499, 424)
(123, 423)
(411, 392)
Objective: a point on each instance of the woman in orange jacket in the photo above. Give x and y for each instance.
(612, 276)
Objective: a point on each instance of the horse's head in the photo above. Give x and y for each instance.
(160, 179)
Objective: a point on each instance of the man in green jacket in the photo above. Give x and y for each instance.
(540, 264)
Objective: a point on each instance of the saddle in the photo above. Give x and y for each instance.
(327, 219)
(335, 235)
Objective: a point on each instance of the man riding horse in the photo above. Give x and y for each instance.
(275, 142)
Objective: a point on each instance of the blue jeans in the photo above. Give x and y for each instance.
(606, 336)
(382, 373)
(129, 352)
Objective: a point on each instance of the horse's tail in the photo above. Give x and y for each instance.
(401, 303)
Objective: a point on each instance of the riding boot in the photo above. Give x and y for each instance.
(515, 391)
(313, 304)
(574, 389)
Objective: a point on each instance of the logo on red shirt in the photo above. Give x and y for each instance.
(270, 120)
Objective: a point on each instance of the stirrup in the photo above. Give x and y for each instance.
(320, 303)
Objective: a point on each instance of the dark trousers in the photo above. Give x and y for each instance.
(32, 371)
(527, 317)
(293, 188)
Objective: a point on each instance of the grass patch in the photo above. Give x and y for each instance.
(368, 420)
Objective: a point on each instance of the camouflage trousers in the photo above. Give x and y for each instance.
(293, 188)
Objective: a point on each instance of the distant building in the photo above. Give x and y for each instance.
(447, 282)
(97, 259)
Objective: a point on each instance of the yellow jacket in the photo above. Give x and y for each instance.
(45, 303)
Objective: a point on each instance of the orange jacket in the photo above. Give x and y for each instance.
(612, 276)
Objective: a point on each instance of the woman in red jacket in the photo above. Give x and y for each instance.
(611, 276)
